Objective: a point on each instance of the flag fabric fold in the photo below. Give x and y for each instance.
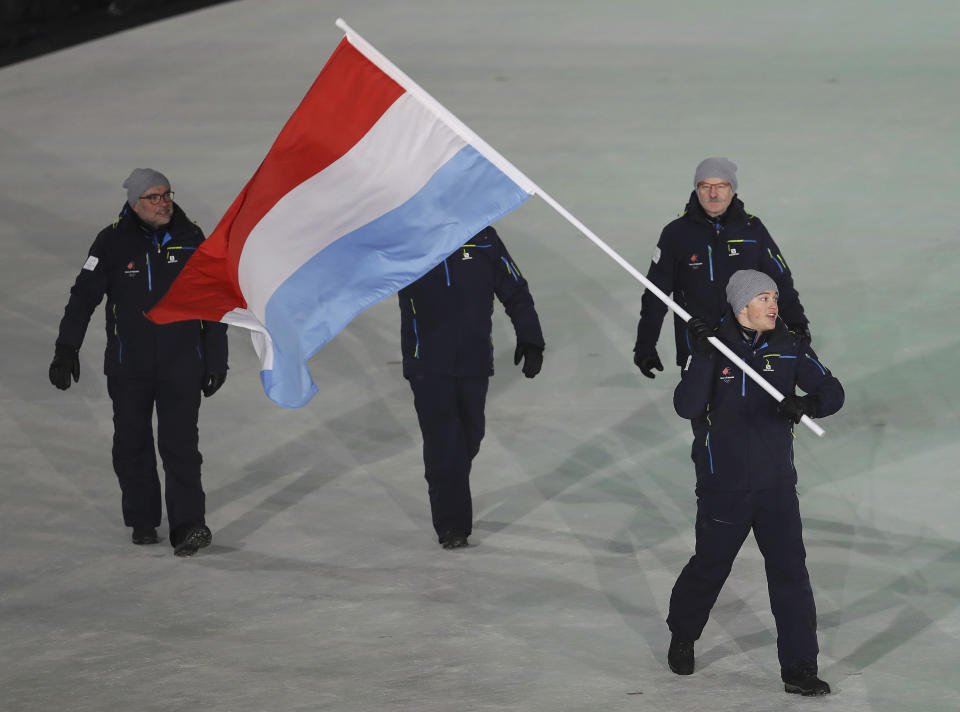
(366, 188)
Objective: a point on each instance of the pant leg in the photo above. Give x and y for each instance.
(723, 522)
(472, 399)
(178, 407)
(446, 452)
(779, 533)
(134, 457)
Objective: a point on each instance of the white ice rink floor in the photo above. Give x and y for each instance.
(324, 588)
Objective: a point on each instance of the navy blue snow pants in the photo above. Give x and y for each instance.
(451, 415)
(177, 399)
(723, 521)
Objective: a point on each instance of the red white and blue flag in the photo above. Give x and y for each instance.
(369, 185)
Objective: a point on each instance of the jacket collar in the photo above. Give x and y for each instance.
(730, 333)
(130, 216)
(736, 214)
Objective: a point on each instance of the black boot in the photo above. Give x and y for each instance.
(801, 679)
(189, 539)
(144, 535)
(453, 540)
(680, 656)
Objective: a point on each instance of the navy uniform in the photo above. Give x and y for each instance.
(445, 338)
(694, 258)
(746, 480)
(148, 365)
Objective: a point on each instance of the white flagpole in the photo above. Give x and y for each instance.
(521, 179)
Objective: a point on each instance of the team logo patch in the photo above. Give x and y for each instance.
(695, 262)
(767, 367)
(131, 269)
(171, 258)
(467, 255)
(726, 375)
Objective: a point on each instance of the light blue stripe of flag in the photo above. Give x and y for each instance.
(364, 266)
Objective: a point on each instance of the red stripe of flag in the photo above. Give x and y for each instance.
(347, 98)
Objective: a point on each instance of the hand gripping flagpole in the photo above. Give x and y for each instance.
(521, 179)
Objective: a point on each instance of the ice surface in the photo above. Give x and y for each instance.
(324, 588)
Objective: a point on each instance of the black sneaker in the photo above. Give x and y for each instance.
(451, 540)
(801, 679)
(193, 538)
(680, 656)
(144, 535)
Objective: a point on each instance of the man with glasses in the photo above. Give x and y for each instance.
(133, 262)
(713, 238)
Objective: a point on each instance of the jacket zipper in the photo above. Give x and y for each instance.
(116, 333)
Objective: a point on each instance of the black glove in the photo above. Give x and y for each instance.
(212, 383)
(532, 359)
(646, 361)
(66, 363)
(699, 332)
(803, 332)
(794, 407)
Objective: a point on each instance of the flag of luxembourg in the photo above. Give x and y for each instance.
(369, 185)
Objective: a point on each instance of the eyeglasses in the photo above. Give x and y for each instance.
(157, 198)
(705, 187)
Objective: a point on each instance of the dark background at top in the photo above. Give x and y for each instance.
(30, 28)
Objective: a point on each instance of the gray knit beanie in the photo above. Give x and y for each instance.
(744, 285)
(140, 180)
(716, 168)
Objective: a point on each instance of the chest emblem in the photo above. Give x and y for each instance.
(467, 255)
(726, 375)
(695, 262)
(131, 270)
(734, 246)
(767, 367)
(171, 258)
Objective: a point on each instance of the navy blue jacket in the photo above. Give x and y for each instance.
(446, 315)
(740, 442)
(134, 266)
(694, 259)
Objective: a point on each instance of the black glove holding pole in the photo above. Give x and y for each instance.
(699, 334)
(794, 407)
